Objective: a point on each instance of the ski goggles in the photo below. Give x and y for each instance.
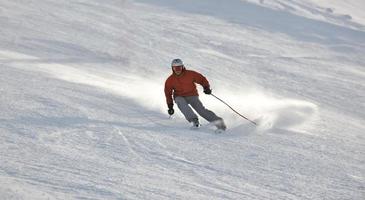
(177, 68)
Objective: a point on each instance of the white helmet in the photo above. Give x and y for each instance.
(177, 62)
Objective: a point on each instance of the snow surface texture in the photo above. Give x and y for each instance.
(83, 114)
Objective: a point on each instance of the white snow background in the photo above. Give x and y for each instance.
(83, 113)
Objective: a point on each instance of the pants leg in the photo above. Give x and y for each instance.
(195, 102)
(186, 110)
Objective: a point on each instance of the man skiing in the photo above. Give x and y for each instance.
(181, 86)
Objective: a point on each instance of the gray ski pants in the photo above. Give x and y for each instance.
(194, 101)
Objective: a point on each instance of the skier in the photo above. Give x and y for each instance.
(180, 85)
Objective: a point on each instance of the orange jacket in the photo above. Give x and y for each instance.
(183, 85)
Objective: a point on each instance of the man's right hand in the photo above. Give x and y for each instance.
(171, 109)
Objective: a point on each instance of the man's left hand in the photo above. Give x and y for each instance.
(207, 90)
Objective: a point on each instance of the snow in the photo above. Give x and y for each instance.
(83, 114)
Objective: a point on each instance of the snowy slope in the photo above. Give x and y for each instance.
(83, 114)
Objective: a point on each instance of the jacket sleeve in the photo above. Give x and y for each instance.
(168, 92)
(200, 79)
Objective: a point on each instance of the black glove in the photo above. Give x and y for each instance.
(171, 109)
(207, 90)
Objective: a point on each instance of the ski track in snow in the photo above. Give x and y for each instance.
(83, 115)
(275, 113)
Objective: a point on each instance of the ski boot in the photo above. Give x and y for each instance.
(221, 126)
(195, 123)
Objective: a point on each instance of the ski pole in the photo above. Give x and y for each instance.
(233, 109)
